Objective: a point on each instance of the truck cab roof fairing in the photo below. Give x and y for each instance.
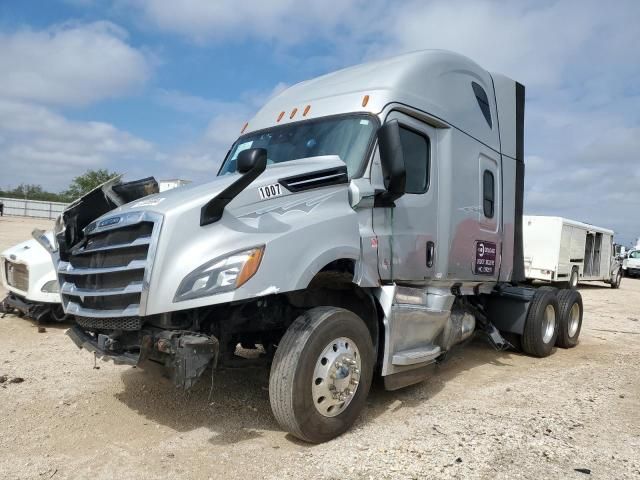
(437, 82)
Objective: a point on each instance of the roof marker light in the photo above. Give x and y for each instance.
(245, 127)
(306, 110)
(280, 116)
(293, 113)
(365, 100)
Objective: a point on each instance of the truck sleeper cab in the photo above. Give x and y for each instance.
(363, 224)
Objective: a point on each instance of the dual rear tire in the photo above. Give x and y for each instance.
(554, 318)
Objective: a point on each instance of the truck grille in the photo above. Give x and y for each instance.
(17, 275)
(102, 283)
(122, 323)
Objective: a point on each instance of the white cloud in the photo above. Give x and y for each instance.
(280, 21)
(70, 64)
(202, 158)
(42, 147)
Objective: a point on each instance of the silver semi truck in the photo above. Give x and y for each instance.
(363, 224)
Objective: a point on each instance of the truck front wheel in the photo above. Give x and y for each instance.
(321, 374)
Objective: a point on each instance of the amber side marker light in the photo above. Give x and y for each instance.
(280, 116)
(245, 127)
(250, 267)
(293, 113)
(306, 110)
(365, 100)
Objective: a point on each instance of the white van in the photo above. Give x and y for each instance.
(560, 250)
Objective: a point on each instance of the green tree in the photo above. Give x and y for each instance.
(31, 192)
(86, 182)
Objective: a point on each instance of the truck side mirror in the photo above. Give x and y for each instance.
(250, 159)
(250, 163)
(392, 161)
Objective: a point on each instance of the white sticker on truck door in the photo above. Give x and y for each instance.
(270, 191)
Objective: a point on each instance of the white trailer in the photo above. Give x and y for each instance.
(560, 250)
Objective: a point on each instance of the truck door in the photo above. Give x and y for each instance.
(407, 233)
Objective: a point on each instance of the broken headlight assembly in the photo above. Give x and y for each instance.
(221, 274)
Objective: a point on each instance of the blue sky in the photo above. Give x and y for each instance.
(145, 87)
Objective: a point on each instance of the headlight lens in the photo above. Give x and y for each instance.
(52, 286)
(220, 275)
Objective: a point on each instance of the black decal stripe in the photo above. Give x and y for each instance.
(518, 250)
(317, 179)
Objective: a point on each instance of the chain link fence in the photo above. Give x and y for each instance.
(32, 208)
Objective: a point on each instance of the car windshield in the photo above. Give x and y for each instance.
(634, 254)
(349, 137)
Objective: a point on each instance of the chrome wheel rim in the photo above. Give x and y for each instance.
(336, 377)
(574, 319)
(548, 323)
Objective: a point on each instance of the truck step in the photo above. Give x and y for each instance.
(416, 355)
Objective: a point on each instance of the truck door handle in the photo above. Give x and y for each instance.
(431, 253)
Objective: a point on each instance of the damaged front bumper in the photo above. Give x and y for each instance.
(34, 310)
(186, 355)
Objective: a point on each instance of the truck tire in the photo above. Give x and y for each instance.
(321, 374)
(573, 279)
(618, 280)
(541, 325)
(570, 318)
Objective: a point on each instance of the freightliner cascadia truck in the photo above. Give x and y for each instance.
(363, 223)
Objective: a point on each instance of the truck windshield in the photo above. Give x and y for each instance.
(349, 137)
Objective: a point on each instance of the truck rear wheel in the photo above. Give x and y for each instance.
(570, 318)
(321, 374)
(573, 280)
(541, 325)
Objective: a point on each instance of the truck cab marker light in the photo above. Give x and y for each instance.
(306, 110)
(293, 113)
(245, 127)
(365, 100)
(280, 116)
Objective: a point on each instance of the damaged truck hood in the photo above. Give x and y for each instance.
(304, 204)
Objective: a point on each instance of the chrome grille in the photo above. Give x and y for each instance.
(17, 275)
(105, 275)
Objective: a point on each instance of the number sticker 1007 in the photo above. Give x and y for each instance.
(270, 191)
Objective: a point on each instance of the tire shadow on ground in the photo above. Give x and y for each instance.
(234, 404)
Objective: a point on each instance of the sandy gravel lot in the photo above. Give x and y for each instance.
(483, 414)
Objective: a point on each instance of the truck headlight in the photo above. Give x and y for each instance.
(52, 286)
(220, 275)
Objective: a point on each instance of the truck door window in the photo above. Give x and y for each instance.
(488, 193)
(416, 160)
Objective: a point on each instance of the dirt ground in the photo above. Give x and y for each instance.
(483, 414)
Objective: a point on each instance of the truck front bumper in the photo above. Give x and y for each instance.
(34, 310)
(185, 354)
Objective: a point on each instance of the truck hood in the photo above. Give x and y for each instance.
(195, 196)
(308, 199)
(29, 252)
